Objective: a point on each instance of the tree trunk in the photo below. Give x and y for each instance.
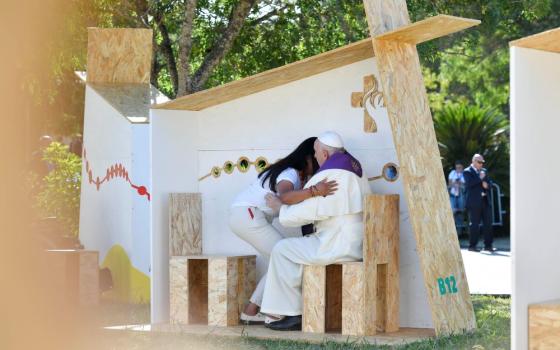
(223, 44)
(185, 47)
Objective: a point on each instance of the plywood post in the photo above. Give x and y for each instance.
(381, 262)
(185, 224)
(544, 325)
(314, 298)
(394, 44)
(119, 55)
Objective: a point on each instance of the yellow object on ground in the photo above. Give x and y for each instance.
(129, 284)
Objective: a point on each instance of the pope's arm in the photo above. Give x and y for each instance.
(300, 214)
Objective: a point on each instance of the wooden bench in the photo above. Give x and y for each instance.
(210, 290)
(75, 273)
(544, 325)
(359, 298)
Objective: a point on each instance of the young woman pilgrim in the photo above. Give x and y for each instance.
(251, 219)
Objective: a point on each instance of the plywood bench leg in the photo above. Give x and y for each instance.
(178, 289)
(314, 298)
(222, 292)
(354, 310)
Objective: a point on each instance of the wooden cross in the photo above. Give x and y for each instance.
(370, 96)
(394, 45)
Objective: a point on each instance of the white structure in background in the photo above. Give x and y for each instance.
(268, 115)
(115, 193)
(535, 169)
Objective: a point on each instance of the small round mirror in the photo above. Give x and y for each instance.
(390, 172)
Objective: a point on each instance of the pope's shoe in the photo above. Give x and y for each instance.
(288, 323)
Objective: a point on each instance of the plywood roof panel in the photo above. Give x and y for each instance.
(545, 41)
(345, 55)
(428, 29)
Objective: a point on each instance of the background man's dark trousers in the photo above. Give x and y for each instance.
(476, 215)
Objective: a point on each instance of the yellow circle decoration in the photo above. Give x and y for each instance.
(260, 164)
(243, 164)
(228, 167)
(216, 171)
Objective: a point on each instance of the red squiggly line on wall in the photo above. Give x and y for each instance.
(115, 171)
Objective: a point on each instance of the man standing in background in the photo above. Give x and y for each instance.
(477, 185)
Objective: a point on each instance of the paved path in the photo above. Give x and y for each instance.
(488, 273)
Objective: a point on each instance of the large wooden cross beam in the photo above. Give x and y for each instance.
(394, 44)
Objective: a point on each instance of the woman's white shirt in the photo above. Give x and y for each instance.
(253, 196)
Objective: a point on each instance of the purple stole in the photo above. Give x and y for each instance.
(342, 161)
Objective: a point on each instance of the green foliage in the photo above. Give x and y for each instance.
(60, 189)
(463, 130)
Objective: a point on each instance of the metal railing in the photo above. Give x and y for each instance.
(497, 207)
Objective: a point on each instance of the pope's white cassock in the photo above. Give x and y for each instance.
(339, 234)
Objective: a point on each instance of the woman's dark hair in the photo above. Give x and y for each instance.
(297, 159)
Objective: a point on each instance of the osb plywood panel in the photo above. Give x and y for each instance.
(198, 291)
(185, 224)
(314, 297)
(345, 55)
(422, 174)
(217, 292)
(119, 55)
(384, 16)
(381, 262)
(428, 29)
(545, 41)
(232, 291)
(424, 185)
(247, 280)
(333, 298)
(178, 290)
(88, 285)
(354, 308)
(544, 326)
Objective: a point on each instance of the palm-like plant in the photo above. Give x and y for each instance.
(463, 130)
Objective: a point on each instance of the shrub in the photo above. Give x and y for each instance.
(463, 130)
(59, 194)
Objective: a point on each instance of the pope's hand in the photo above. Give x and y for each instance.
(273, 202)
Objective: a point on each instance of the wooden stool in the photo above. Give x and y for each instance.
(544, 325)
(210, 290)
(358, 298)
(76, 274)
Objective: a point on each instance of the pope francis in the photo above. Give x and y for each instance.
(338, 236)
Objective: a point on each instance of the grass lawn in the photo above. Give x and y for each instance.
(492, 315)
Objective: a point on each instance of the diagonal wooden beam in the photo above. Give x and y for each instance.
(394, 44)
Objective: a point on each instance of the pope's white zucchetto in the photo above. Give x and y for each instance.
(331, 138)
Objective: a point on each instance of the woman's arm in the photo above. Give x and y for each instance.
(287, 195)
